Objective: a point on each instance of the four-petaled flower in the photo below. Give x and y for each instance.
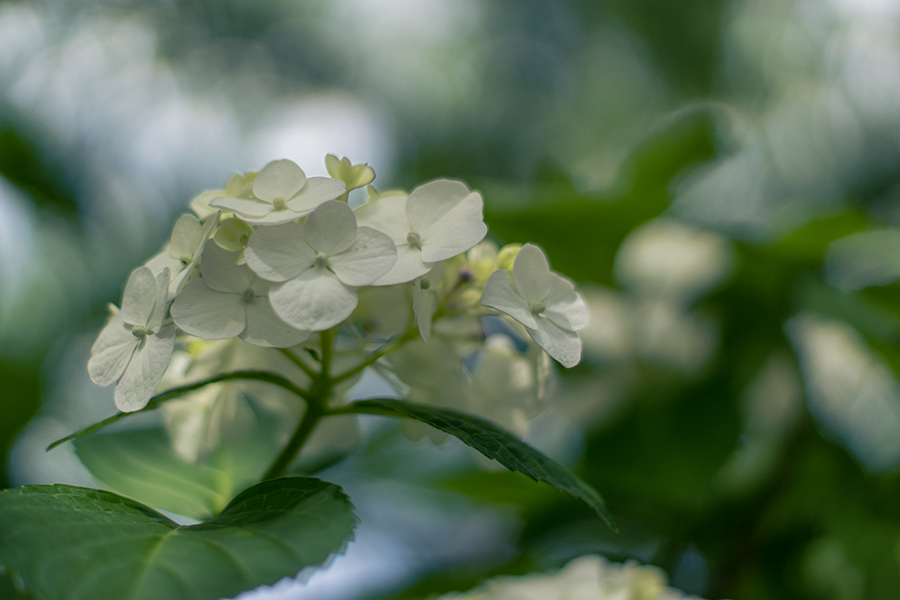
(544, 302)
(318, 265)
(229, 300)
(282, 193)
(134, 347)
(437, 221)
(180, 257)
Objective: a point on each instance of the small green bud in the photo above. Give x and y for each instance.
(507, 256)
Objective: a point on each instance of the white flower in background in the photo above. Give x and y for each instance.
(282, 193)
(437, 221)
(584, 578)
(229, 300)
(199, 422)
(508, 387)
(544, 302)
(189, 237)
(134, 347)
(317, 266)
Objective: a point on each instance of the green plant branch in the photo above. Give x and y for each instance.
(375, 356)
(158, 399)
(326, 341)
(314, 413)
(299, 362)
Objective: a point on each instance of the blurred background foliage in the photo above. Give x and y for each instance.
(722, 177)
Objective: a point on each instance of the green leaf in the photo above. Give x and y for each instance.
(142, 464)
(554, 214)
(71, 543)
(493, 442)
(158, 399)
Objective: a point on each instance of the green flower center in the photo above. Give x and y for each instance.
(244, 239)
(279, 203)
(425, 284)
(321, 259)
(537, 308)
(248, 295)
(414, 240)
(139, 331)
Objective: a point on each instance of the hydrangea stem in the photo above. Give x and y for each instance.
(375, 356)
(299, 362)
(312, 416)
(316, 408)
(158, 399)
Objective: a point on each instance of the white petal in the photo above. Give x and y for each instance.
(279, 253)
(178, 273)
(154, 323)
(564, 306)
(208, 314)
(162, 261)
(531, 272)
(409, 265)
(279, 179)
(432, 202)
(111, 352)
(317, 191)
(200, 204)
(314, 301)
(424, 306)
(500, 294)
(140, 297)
(265, 328)
(145, 371)
(561, 344)
(454, 237)
(221, 274)
(185, 236)
(180, 278)
(372, 255)
(260, 286)
(331, 228)
(387, 215)
(244, 207)
(209, 227)
(276, 217)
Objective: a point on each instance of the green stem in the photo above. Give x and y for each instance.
(299, 362)
(316, 408)
(375, 356)
(158, 399)
(326, 340)
(314, 413)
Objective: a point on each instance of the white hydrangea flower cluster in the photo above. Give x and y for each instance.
(279, 260)
(585, 578)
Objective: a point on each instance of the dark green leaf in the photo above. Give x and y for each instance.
(71, 543)
(493, 442)
(556, 215)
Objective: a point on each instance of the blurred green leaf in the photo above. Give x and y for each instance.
(583, 231)
(21, 398)
(66, 542)
(29, 169)
(493, 442)
(143, 464)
